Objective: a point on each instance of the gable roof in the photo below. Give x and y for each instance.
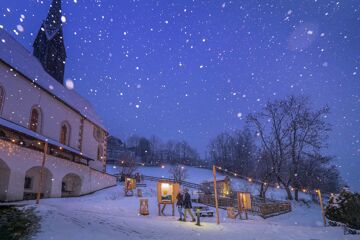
(218, 179)
(15, 55)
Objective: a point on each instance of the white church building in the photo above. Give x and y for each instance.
(46, 129)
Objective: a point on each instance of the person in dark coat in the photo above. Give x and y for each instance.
(188, 205)
(180, 205)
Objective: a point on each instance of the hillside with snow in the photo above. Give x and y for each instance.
(199, 175)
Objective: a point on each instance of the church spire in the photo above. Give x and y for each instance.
(52, 24)
(49, 45)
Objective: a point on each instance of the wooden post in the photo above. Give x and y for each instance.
(41, 174)
(322, 206)
(240, 208)
(173, 209)
(216, 197)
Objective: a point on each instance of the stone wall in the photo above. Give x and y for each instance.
(19, 160)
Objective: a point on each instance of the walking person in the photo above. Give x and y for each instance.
(188, 205)
(180, 205)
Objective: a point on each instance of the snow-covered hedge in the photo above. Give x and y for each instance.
(344, 208)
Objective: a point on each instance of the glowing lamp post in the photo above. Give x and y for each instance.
(216, 197)
(321, 206)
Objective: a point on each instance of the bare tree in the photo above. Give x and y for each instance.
(243, 151)
(272, 128)
(179, 173)
(127, 165)
(263, 172)
(288, 131)
(133, 141)
(155, 150)
(219, 149)
(235, 151)
(316, 172)
(308, 134)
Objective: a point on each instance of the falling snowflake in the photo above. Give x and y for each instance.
(69, 84)
(20, 28)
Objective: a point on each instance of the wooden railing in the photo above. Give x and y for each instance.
(182, 183)
(264, 208)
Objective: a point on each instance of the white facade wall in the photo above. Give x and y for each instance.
(21, 95)
(91, 146)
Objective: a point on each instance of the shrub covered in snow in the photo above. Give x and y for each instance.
(344, 208)
(18, 223)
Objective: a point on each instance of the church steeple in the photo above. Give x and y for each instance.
(49, 45)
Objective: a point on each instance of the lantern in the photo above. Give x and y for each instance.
(231, 213)
(139, 192)
(144, 206)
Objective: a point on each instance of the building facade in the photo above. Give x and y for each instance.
(223, 186)
(117, 153)
(41, 121)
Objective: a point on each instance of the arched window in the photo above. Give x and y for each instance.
(100, 153)
(65, 133)
(35, 119)
(2, 98)
(98, 134)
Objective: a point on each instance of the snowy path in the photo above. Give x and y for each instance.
(109, 215)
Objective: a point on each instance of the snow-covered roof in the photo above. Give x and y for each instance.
(19, 58)
(218, 179)
(28, 132)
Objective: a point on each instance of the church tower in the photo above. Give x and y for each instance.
(49, 45)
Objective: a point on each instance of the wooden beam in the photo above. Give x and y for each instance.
(216, 197)
(321, 206)
(41, 174)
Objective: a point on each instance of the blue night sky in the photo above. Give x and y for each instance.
(192, 69)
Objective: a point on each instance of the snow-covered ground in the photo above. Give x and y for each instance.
(108, 214)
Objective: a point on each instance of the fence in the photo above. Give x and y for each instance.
(264, 208)
(182, 183)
